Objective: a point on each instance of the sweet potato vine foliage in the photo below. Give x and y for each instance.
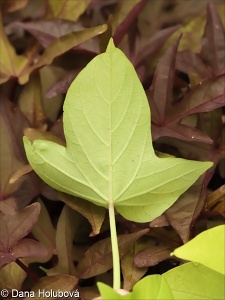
(109, 158)
(112, 153)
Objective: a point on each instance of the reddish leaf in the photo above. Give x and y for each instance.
(12, 5)
(47, 31)
(61, 86)
(180, 131)
(28, 248)
(166, 116)
(152, 256)
(16, 226)
(161, 98)
(132, 273)
(94, 214)
(150, 47)
(8, 206)
(210, 123)
(183, 214)
(20, 172)
(65, 43)
(64, 283)
(189, 62)
(98, 258)
(161, 221)
(45, 233)
(30, 102)
(121, 24)
(68, 224)
(213, 41)
(30, 188)
(11, 156)
(211, 60)
(206, 96)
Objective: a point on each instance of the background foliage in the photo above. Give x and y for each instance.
(44, 45)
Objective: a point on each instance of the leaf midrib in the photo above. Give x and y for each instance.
(110, 200)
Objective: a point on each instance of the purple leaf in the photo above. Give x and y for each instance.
(46, 31)
(189, 62)
(16, 226)
(213, 41)
(206, 96)
(125, 25)
(211, 60)
(12, 157)
(160, 221)
(187, 208)
(181, 132)
(149, 48)
(152, 256)
(166, 115)
(61, 86)
(28, 248)
(98, 258)
(160, 93)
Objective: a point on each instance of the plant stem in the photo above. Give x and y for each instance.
(27, 270)
(115, 248)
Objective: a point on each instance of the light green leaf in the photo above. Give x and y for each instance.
(207, 248)
(194, 281)
(109, 156)
(150, 288)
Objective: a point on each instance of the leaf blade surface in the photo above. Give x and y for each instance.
(109, 157)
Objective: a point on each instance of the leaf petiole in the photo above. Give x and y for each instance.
(115, 248)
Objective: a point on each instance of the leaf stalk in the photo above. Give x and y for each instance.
(115, 248)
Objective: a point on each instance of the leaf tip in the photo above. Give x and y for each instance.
(26, 141)
(111, 45)
(172, 254)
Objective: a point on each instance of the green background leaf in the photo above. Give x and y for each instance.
(109, 156)
(207, 248)
(195, 281)
(150, 288)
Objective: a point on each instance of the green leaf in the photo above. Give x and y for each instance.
(150, 288)
(207, 248)
(109, 156)
(194, 281)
